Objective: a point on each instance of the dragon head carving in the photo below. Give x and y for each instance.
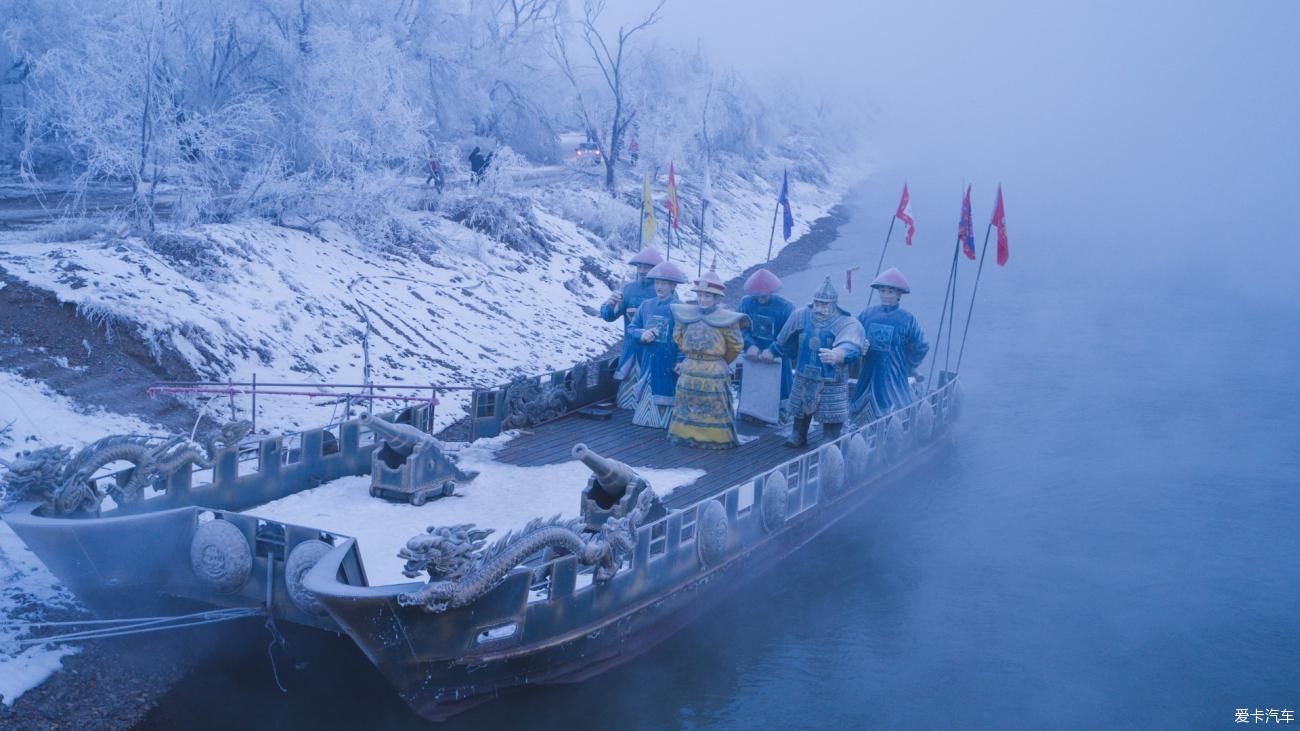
(35, 474)
(447, 553)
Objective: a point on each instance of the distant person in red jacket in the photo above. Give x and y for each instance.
(435, 175)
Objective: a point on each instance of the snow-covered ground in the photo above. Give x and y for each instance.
(39, 418)
(453, 307)
(449, 305)
(503, 497)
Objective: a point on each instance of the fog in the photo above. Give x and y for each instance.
(1161, 133)
(1109, 539)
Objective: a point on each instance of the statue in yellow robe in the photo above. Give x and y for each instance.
(709, 338)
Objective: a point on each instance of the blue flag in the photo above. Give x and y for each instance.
(787, 219)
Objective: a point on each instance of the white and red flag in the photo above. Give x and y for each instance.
(904, 214)
(1000, 220)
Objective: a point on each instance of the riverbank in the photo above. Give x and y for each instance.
(117, 683)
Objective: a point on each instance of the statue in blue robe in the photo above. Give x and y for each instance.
(895, 347)
(767, 318)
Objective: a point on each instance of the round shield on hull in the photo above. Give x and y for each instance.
(830, 469)
(776, 495)
(302, 559)
(220, 556)
(713, 532)
(857, 459)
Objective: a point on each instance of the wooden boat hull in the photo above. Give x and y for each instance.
(443, 663)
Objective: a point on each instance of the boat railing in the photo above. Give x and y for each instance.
(672, 541)
(271, 466)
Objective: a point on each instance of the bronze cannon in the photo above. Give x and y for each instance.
(612, 490)
(410, 465)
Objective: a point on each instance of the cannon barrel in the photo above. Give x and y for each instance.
(613, 476)
(401, 437)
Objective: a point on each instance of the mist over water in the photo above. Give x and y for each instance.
(1112, 539)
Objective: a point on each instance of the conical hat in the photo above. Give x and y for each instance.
(891, 277)
(762, 282)
(668, 272)
(648, 255)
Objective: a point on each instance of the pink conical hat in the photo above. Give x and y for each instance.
(762, 282)
(668, 272)
(891, 277)
(648, 255)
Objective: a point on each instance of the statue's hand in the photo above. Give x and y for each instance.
(831, 356)
(752, 352)
(767, 356)
(648, 336)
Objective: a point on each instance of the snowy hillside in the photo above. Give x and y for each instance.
(450, 306)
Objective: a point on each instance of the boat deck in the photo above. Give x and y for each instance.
(762, 448)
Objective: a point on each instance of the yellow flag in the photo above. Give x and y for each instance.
(647, 216)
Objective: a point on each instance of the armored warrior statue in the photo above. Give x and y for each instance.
(767, 313)
(828, 339)
(710, 339)
(653, 329)
(624, 304)
(897, 347)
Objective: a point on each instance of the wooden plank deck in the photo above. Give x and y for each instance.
(639, 446)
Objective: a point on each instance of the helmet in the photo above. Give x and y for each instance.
(667, 271)
(710, 283)
(648, 255)
(762, 282)
(891, 277)
(827, 292)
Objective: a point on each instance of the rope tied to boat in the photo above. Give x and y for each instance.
(106, 628)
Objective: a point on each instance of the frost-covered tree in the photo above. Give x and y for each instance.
(116, 104)
(607, 113)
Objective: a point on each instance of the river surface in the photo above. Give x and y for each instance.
(1111, 540)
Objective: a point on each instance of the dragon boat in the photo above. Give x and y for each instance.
(655, 535)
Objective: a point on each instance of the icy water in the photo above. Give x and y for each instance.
(1111, 541)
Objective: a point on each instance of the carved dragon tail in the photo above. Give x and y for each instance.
(504, 556)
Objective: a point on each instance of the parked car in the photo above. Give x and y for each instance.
(587, 151)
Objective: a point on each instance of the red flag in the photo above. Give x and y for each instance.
(965, 229)
(904, 214)
(672, 197)
(1000, 220)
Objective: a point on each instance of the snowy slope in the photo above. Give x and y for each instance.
(450, 306)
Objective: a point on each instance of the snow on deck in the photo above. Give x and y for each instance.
(503, 497)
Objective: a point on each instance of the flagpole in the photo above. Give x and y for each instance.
(670, 235)
(952, 310)
(772, 236)
(872, 290)
(699, 261)
(971, 309)
(947, 291)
